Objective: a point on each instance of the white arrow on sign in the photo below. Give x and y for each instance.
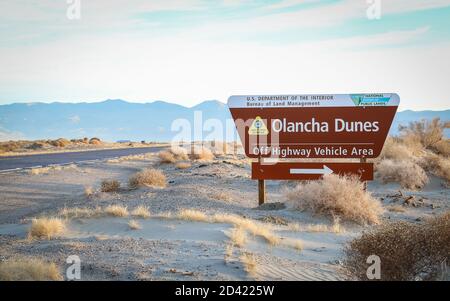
(323, 171)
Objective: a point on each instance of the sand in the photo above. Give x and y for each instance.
(172, 249)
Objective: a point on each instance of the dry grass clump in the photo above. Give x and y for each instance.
(148, 177)
(255, 228)
(110, 186)
(88, 191)
(427, 132)
(407, 251)
(336, 196)
(394, 149)
(173, 154)
(436, 165)
(141, 211)
(238, 236)
(134, 225)
(409, 174)
(166, 157)
(116, 210)
(29, 269)
(192, 215)
(442, 147)
(249, 262)
(61, 142)
(202, 154)
(183, 165)
(46, 228)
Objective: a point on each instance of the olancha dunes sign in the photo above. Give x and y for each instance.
(327, 126)
(313, 126)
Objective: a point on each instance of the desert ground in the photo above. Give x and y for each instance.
(198, 220)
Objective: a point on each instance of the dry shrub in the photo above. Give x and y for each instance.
(437, 165)
(46, 228)
(427, 132)
(141, 211)
(336, 196)
(88, 191)
(148, 177)
(407, 173)
(116, 210)
(110, 186)
(202, 154)
(395, 149)
(166, 157)
(61, 142)
(134, 225)
(95, 141)
(255, 228)
(29, 269)
(249, 262)
(173, 154)
(238, 236)
(192, 215)
(442, 147)
(407, 251)
(183, 165)
(179, 153)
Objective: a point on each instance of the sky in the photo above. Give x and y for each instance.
(188, 51)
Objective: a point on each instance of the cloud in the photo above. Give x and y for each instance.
(74, 119)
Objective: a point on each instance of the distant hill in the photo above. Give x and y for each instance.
(114, 120)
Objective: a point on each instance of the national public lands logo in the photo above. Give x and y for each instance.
(369, 99)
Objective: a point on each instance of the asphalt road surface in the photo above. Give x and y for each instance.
(27, 161)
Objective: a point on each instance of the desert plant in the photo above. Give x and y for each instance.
(249, 262)
(28, 269)
(427, 132)
(336, 196)
(394, 149)
(407, 251)
(116, 210)
(238, 236)
(88, 191)
(192, 215)
(110, 186)
(409, 174)
(141, 211)
(46, 228)
(166, 157)
(148, 177)
(436, 164)
(134, 225)
(202, 154)
(95, 141)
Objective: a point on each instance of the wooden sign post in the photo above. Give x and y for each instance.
(329, 126)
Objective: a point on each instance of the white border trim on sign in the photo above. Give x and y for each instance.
(313, 100)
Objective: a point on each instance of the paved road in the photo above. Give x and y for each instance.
(27, 161)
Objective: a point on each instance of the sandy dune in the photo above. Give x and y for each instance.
(170, 248)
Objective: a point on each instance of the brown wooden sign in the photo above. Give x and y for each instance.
(309, 171)
(313, 126)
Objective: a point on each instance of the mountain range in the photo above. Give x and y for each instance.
(114, 120)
